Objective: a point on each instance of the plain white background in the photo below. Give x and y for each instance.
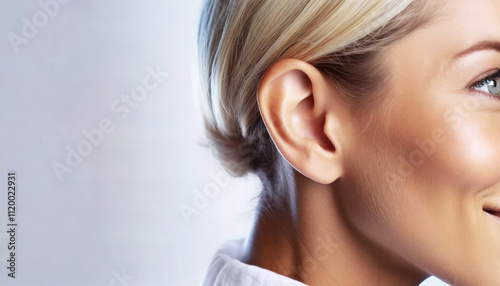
(112, 214)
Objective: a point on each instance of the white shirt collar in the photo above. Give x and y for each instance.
(226, 269)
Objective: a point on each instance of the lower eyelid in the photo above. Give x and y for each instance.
(482, 93)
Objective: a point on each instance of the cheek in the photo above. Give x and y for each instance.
(470, 157)
(414, 180)
(449, 140)
(460, 155)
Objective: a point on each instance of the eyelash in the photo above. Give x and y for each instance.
(484, 81)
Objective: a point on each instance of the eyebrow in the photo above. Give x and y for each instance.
(484, 45)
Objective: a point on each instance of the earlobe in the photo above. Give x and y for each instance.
(302, 117)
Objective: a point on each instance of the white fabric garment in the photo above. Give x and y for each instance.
(226, 269)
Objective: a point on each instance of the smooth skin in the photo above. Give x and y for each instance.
(391, 193)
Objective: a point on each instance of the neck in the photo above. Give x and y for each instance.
(311, 241)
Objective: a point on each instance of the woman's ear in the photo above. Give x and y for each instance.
(306, 118)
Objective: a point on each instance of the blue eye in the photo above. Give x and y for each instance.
(490, 84)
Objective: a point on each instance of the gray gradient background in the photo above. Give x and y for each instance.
(115, 219)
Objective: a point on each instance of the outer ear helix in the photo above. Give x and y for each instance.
(294, 101)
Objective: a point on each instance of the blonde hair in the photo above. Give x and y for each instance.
(240, 39)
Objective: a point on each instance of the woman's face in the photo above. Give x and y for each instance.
(424, 173)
